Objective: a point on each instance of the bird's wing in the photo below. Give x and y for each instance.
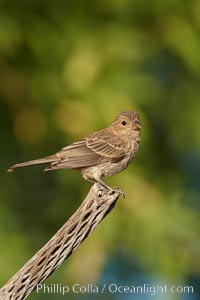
(96, 149)
(108, 146)
(75, 156)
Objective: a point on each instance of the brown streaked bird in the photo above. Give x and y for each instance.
(101, 154)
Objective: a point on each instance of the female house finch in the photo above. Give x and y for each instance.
(101, 154)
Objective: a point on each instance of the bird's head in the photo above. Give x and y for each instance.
(127, 122)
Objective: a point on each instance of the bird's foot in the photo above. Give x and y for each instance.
(117, 190)
(111, 189)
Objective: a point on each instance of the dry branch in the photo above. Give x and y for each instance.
(97, 204)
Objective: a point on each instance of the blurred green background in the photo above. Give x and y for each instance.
(66, 69)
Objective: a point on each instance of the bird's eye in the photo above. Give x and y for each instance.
(123, 123)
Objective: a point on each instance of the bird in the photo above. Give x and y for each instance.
(101, 154)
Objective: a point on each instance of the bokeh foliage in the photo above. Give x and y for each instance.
(66, 69)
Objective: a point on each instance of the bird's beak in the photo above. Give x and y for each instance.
(138, 124)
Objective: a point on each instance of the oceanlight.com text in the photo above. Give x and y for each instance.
(113, 288)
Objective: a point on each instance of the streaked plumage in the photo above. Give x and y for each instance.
(103, 153)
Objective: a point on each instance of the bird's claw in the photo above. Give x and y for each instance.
(112, 190)
(117, 190)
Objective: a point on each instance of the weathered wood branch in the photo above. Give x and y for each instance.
(97, 204)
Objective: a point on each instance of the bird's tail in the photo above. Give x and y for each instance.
(45, 160)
